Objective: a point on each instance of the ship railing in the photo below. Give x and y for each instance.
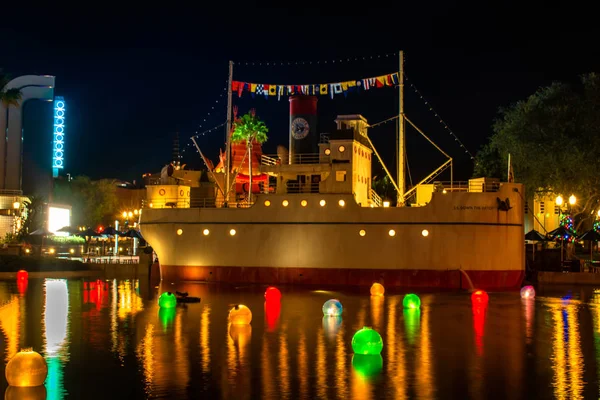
(205, 202)
(455, 186)
(375, 198)
(299, 187)
(310, 158)
(324, 138)
(167, 202)
(269, 160)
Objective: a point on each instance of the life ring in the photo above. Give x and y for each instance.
(188, 193)
(162, 192)
(181, 192)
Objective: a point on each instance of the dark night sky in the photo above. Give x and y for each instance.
(131, 81)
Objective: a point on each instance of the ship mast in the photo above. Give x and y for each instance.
(401, 141)
(228, 134)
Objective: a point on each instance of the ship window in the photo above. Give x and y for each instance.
(362, 232)
(341, 149)
(340, 176)
(267, 203)
(342, 203)
(206, 232)
(327, 152)
(285, 203)
(180, 231)
(232, 232)
(322, 203)
(303, 203)
(425, 232)
(542, 207)
(392, 232)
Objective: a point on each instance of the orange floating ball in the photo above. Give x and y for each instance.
(377, 289)
(27, 368)
(240, 315)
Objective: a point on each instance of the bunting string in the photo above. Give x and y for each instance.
(441, 121)
(324, 89)
(319, 62)
(213, 107)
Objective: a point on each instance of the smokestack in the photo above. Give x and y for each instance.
(303, 127)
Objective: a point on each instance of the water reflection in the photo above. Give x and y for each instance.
(56, 318)
(302, 364)
(412, 320)
(284, 364)
(567, 359)
(424, 369)
(479, 310)
(377, 312)
(394, 351)
(331, 326)
(10, 322)
(205, 338)
(529, 311)
(272, 312)
(238, 362)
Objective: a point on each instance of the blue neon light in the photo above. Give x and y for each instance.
(58, 150)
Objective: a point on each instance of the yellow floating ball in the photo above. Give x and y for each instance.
(27, 368)
(377, 289)
(240, 315)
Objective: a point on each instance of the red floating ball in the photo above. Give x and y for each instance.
(272, 294)
(22, 275)
(479, 297)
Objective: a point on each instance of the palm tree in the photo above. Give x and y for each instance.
(249, 127)
(8, 97)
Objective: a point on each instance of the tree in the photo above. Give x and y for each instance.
(249, 126)
(385, 189)
(8, 97)
(32, 216)
(93, 202)
(553, 138)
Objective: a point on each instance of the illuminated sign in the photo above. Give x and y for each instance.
(58, 150)
(58, 217)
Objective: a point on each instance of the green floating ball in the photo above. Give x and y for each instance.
(367, 365)
(367, 341)
(411, 301)
(167, 300)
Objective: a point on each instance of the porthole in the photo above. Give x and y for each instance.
(322, 203)
(327, 152)
(362, 232)
(425, 232)
(341, 149)
(232, 232)
(303, 203)
(267, 203)
(285, 203)
(179, 231)
(392, 232)
(342, 203)
(206, 232)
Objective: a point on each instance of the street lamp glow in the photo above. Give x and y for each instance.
(16, 205)
(130, 214)
(572, 199)
(135, 212)
(559, 201)
(124, 214)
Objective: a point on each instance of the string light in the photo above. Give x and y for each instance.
(214, 128)
(442, 122)
(319, 62)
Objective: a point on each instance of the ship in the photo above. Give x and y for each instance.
(309, 215)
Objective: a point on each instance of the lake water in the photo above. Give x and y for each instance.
(108, 339)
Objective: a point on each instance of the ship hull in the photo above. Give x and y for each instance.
(455, 238)
(409, 278)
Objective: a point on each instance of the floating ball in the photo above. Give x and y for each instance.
(479, 297)
(367, 341)
(167, 300)
(25, 393)
(527, 292)
(367, 365)
(27, 368)
(272, 294)
(240, 315)
(411, 301)
(377, 289)
(332, 308)
(22, 275)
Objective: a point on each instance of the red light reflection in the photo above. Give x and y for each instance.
(272, 311)
(96, 293)
(479, 310)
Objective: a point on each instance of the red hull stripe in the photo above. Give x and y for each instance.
(506, 279)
